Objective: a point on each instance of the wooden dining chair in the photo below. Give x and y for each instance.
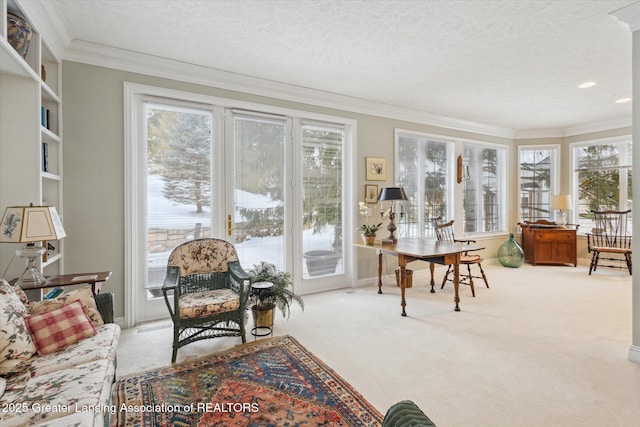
(444, 233)
(610, 240)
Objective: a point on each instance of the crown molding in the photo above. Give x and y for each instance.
(538, 133)
(109, 57)
(630, 15)
(105, 56)
(50, 23)
(604, 125)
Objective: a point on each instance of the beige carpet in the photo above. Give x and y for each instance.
(546, 345)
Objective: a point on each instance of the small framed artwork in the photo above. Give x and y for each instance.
(371, 193)
(376, 168)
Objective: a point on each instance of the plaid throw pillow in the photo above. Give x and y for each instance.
(55, 330)
(83, 295)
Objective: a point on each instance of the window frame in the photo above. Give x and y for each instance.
(503, 187)
(423, 226)
(575, 184)
(554, 184)
(455, 191)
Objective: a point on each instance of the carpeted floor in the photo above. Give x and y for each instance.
(271, 382)
(545, 345)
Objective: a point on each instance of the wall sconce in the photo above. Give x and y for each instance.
(463, 171)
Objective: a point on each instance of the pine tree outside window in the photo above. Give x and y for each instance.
(602, 178)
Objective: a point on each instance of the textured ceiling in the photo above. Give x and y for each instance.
(513, 64)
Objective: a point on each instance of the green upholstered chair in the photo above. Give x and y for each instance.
(406, 414)
(206, 292)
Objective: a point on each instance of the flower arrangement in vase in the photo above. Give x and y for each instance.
(368, 230)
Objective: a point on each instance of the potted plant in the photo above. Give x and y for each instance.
(281, 296)
(368, 230)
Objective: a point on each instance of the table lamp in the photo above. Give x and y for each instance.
(561, 202)
(392, 194)
(33, 225)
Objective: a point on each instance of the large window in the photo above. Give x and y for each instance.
(538, 178)
(484, 199)
(423, 170)
(602, 178)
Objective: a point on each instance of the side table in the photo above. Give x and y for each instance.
(61, 280)
(263, 312)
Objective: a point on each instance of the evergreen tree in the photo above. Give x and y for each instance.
(185, 167)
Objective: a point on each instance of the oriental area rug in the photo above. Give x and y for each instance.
(271, 382)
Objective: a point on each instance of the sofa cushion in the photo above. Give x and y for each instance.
(84, 295)
(101, 346)
(59, 328)
(16, 345)
(50, 398)
(208, 303)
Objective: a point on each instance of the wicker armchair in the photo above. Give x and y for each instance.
(206, 292)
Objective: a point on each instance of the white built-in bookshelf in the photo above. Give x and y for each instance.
(30, 132)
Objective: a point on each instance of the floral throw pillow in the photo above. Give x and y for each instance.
(84, 295)
(57, 329)
(16, 346)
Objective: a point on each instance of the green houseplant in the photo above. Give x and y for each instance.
(282, 296)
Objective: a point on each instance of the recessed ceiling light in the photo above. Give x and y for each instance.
(587, 84)
(621, 100)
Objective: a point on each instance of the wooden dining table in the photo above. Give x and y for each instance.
(409, 249)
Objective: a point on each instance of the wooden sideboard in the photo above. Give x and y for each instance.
(545, 242)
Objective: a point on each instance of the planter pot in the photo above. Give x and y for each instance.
(321, 262)
(263, 315)
(369, 239)
(18, 33)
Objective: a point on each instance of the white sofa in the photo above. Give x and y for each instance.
(68, 387)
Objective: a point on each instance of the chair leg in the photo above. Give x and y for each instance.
(594, 262)
(484, 276)
(473, 290)
(446, 277)
(176, 337)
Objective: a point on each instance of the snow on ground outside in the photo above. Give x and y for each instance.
(163, 213)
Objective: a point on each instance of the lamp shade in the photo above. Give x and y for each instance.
(22, 224)
(392, 193)
(561, 202)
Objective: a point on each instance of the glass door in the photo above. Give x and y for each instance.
(322, 229)
(177, 191)
(257, 223)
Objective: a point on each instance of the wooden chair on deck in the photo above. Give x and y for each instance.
(444, 233)
(610, 236)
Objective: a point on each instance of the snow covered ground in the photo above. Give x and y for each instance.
(164, 214)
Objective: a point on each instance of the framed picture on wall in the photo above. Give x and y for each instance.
(376, 168)
(371, 193)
